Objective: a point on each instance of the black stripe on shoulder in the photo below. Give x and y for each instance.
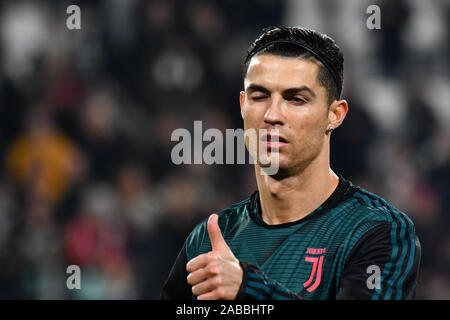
(361, 201)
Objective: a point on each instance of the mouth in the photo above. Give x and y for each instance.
(274, 141)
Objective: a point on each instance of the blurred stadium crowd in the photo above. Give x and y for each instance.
(86, 118)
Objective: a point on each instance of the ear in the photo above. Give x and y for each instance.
(336, 113)
(241, 102)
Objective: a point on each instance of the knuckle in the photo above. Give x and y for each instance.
(213, 269)
(212, 256)
(220, 293)
(217, 281)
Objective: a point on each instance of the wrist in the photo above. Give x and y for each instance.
(242, 295)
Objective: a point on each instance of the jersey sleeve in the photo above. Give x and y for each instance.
(257, 286)
(383, 265)
(176, 286)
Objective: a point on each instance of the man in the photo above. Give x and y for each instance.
(307, 233)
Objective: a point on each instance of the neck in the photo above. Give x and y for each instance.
(293, 197)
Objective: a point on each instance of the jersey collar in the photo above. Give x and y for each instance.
(343, 190)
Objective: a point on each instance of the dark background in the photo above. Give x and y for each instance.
(86, 118)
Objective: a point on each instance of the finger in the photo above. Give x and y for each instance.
(199, 261)
(202, 274)
(215, 235)
(204, 287)
(217, 294)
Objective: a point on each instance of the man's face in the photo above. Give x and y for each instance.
(285, 94)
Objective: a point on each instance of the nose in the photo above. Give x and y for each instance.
(273, 113)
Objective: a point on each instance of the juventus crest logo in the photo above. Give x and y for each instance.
(316, 271)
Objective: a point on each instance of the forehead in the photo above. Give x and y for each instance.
(278, 72)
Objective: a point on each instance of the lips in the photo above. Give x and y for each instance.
(274, 141)
(273, 138)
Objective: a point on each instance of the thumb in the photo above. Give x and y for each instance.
(215, 235)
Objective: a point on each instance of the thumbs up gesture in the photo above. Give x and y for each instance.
(216, 274)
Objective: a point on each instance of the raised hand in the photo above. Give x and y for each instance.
(217, 274)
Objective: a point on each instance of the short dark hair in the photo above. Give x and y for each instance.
(285, 42)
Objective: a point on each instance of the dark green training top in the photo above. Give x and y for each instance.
(354, 246)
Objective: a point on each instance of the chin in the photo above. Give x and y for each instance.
(273, 167)
(285, 166)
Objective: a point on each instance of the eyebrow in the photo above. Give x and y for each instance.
(256, 87)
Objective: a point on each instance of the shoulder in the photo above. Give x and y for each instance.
(229, 218)
(387, 240)
(359, 211)
(375, 218)
(374, 207)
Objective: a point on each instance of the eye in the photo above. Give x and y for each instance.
(297, 100)
(258, 98)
